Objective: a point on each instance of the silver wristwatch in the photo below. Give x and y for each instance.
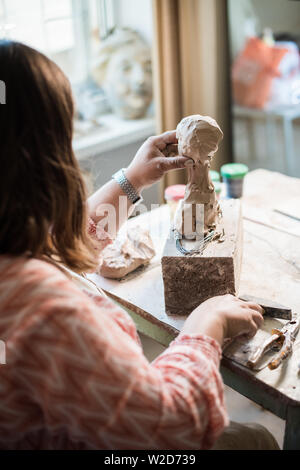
(127, 187)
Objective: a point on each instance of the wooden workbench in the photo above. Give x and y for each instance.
(270, 269)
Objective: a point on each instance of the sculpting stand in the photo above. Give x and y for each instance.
(215, 270)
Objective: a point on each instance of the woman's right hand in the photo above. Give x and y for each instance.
(151, 163)
(223, 317)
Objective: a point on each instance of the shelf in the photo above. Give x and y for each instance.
(114, 133)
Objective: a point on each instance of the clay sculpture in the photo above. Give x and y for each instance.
(203, 252)
(198, 138)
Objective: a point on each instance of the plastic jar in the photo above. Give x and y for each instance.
(233, 176)
(215, 175)
(173, 194)
(218, 188)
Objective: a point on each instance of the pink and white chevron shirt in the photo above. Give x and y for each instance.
(76, 377)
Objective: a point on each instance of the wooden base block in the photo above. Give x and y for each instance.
(191, 279)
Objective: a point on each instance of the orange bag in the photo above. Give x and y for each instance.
(253, 72)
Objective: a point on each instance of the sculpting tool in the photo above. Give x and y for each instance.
(282, 339)
(272, 341)
(271, 308)
(290, 333)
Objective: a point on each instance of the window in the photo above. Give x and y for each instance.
(70, 32)
(63, 29)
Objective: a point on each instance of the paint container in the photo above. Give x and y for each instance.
(215, 175)
(173, 194)
(216, 180)
(218, 188)
(233, 176)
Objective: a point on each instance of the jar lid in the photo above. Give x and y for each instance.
(215, 175)
(175, 192)
(234, 170)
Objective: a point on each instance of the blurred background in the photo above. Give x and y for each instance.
(265, 74)
(138, 66)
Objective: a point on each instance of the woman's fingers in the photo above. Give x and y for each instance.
(252, 329)
(174, 163)
(171, 150)
(162, 140)
(258, 318)
(254, 306)
(255, 319)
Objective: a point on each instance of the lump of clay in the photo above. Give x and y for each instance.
(131, 249)
(198, 138)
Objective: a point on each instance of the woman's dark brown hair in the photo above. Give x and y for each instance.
(42, 193)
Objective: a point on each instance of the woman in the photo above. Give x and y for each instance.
(75, 374)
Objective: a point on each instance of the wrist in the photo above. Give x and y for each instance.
(215, 328)
(134, 179)
(210, 325)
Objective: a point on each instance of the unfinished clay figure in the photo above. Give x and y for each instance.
(131, 249)
(198, 138)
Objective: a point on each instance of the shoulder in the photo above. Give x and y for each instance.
(31, 288)
(21, 273)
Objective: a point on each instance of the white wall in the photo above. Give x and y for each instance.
(136, 14)
(279, 15)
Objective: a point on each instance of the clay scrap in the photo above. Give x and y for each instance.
(131, 249)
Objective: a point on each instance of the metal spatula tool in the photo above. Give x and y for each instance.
(271, 308)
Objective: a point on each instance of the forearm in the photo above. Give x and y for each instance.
(208, 325)
(111, 197)
(193, 392)
(147, 167)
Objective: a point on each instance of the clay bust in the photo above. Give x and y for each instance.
(123, 69)
(198, 138)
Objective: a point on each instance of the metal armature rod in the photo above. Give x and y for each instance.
(200, 248)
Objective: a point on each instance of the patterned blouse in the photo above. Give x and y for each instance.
(76, 377)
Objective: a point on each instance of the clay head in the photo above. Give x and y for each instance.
(198, 137)
(124, 71)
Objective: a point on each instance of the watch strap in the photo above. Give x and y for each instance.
(126, 186)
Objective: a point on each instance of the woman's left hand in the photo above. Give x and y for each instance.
(150, 162)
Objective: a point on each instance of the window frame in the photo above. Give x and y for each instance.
(106, 18)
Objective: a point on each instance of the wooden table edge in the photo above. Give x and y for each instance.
(239, 370)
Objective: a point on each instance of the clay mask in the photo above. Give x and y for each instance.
(123, 68)
(128, 81)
